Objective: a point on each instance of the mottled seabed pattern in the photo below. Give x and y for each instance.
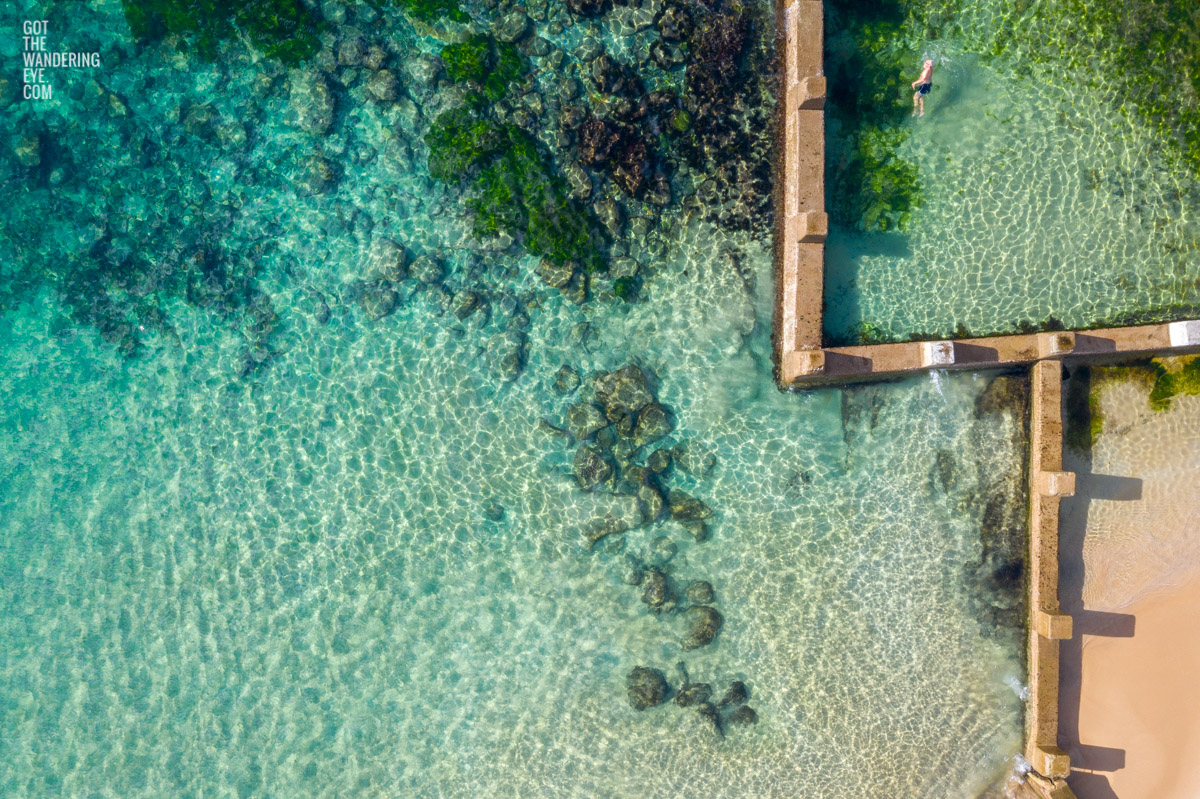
(1046, 198)
(295, 579)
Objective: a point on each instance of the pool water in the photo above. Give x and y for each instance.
(1047, 200)
(360, 569)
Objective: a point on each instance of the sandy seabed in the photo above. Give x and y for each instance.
(1130, 558)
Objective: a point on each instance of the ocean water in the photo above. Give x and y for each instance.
(290, 580)
(1046, 197)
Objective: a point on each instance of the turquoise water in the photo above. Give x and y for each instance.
(1047, 199)
(359, 569)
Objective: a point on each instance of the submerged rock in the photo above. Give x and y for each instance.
(28, 151)
(556, 275)
(697, 529)
(623, 391)
(736, 695)
(646, 687)
(385, 259)
(377, 300)
(466, 303)
(632, 574)
(695, 459)
(743, 715)
(506, 354)
(566, 380)
(350, 52)
(703, 625)
(659, 461)
(591, 467)
(673, 23)
(598, 529)
(650, 503)
(311, 102)
(656, 589)
(709, 713)
(427, 270)
(608, 211)
(512, 28)
(319, 175)
(653, 423)
(597, 140)
(686, 508)
(691, 693)
(383, 86)
(700, 592)
(584, 419)
(589, 8)
(375, 57)
(662, 549)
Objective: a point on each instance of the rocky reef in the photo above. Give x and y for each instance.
(551, 136)
(618, 426)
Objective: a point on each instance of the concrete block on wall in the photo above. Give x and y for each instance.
(813, 227)
(1051, 762)
(1185, 334)
(1053, 626)
(1056, 484)
(1060, 343)
(812, 92)
(937, 353)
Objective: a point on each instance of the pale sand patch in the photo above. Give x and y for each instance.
(1130, 563)
(1140, 695)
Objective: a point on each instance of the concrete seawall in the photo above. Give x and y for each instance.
(803, 360)
(800, 211)
(854, 364)
(1048, 483)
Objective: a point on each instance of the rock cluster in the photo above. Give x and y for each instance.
(648, 687)
(719, 124)
(614, 425)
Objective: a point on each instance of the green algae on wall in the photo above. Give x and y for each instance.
(1162, 379)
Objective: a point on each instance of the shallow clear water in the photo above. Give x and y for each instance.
(285, 584)
(1042, 199)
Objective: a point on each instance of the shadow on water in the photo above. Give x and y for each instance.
(1090, 762)
(844, 252)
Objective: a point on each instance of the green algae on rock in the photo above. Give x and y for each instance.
(283, 29)
(433, 10)
(1163, 379)
(514, 189)
(484, 62)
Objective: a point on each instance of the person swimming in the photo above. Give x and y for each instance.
(922, 84)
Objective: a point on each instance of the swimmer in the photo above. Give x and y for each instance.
(922, 84)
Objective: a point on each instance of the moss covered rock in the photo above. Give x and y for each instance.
(484, 62)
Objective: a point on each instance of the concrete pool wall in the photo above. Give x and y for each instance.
(802, 360)
(802, 222)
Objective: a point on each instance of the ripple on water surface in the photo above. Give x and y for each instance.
(292, 585)
(295, 583)
(1045, 201)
